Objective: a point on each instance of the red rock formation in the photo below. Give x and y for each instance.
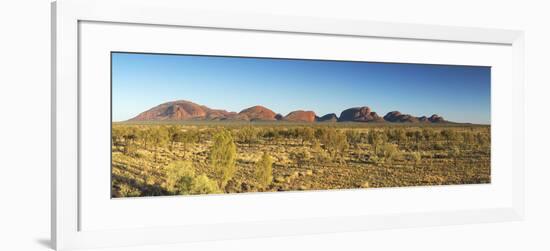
(397, 116)
(181, 110)
(258, 113)
(360, 114)
(300, 116)
(331, 117)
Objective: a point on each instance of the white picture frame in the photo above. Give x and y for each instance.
(67, 201)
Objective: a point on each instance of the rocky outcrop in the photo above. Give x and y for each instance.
(397, 116)
(186, 110)
(331, 117)
(436, 119)
(258, 113)
(181, 110)
(360, 114)
(300, 116)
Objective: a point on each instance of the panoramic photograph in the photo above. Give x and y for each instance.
(185, 125)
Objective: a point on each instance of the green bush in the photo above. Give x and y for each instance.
(223, 157)
(179, 177)
(203, 185)
(264, 171)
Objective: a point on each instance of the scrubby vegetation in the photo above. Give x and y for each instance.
(207, 158)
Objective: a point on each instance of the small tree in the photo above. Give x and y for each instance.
(145, 136)
(417, 135)
(187, 137)
(130, 137)
(173, 132)
(159, 137)
(264, 171)
(117, 138)
(223, 156)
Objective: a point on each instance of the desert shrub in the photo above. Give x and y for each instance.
(179, 177)
(353, 137)
(468, 140)
(126, 190)
(306, 134)
(320, 156)
(375, 159)
(416, 157)
(438, 146)
(300, 157)
(203, 185)
(270, 133)
(247, 135)
(334, 142)
(377, 139)
(454, 153)
(417, 136)
(483, 139)
(449, 135)
(159, 136)
(388, 152)
(288, 133)
(429, 134)
(223, 156)
(132, 150)
(264, 171)
(316, 146)
(397, 135)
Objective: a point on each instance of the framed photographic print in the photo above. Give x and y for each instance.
(182, 125)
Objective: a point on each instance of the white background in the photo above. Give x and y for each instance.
(25, 127)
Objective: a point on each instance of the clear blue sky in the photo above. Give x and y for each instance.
(142, 81)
